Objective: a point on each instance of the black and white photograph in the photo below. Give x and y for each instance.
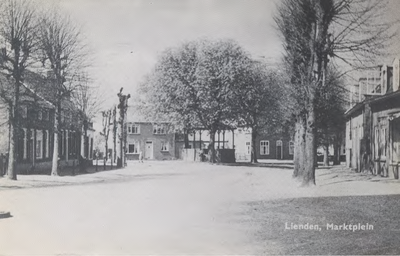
(199, 127)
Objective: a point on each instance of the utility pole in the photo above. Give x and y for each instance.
(122, 106)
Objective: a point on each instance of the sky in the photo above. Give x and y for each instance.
(126, 36)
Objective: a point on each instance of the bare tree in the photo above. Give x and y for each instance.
(18, 26)
(63, 55)
(88, 102)
(316, 33)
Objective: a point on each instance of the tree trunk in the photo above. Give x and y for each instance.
(12, 173)
(114, 141)
(336, 156)
(85, 146)
(54, 167)
(254, 145)
(309, 163)
(299, 147)
(106, 152)
(186, 138)
(212, 146)
(326, 154)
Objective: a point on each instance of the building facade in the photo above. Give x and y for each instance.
(35, 138)
(279, 147)
(155, 141)
(159, 141)
(373, 126)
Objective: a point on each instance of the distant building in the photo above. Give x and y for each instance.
(160, 141)
(156, 141)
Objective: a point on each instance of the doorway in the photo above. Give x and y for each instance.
(149, 150)
(279, 153)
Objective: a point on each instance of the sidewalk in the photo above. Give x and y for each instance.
(329, 178)
(65, 178)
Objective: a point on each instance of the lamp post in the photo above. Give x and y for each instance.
(122, 106)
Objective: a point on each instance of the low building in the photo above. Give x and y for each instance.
(372, 126)
(279, 147)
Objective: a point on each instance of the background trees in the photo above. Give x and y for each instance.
(318, 33)
(258, 102)
(214, 85)
(331, 105)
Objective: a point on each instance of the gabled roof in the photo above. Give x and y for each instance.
(355, 108)
(385, 97)
(35, 94)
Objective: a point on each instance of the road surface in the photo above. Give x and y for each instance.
(154, 208)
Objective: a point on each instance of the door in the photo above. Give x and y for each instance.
(248, 151)
(149, 150)
(279, 154)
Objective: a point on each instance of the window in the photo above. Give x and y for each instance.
(291, 147)
(248, 147)
(133, 129)
(158, 129)
(39, 149)
(39, 115)
(164, 146)
(264, 147)
(133, 148)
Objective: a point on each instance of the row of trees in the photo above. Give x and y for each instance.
(42, 41)
(215, 85)
(118, 127)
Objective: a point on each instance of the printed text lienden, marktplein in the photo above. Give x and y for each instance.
(329, 226)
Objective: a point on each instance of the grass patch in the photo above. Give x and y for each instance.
(380, 211)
